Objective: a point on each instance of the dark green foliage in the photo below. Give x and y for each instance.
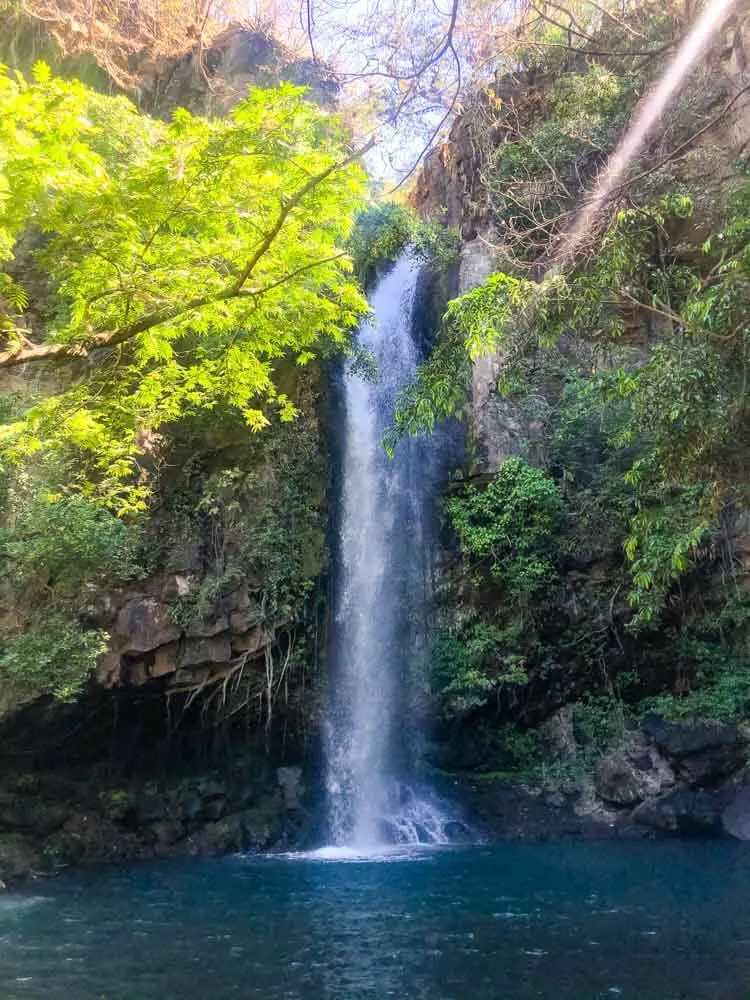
(52, 656)
(508, 533)
(534, 756)
(471, 661)
(60, 544)
(511, 524)
(57, 553)
(380, 236)
(383, 232)
(260, 516)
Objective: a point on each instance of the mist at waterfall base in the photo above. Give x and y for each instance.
(554, 921)
(382, 572)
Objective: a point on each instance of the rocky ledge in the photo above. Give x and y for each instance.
(667, 780)
(49, 822)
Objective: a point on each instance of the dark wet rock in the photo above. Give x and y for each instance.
(679, 741)
(625, 779)
(253, 829)
(682, 811)
(555, 799)
(35, 815)
(148, 809)
(244, 794)
(18, 856)
(496, 808)
(168, 832)
(224, 837)
(457, 832)
(290, 783)
(88, 838)
(712, 765)
(217, 649)
(214, 808)
(212, 788)
(191, 809)
(736, 816)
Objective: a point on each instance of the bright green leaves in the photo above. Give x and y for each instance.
(58, 544)
(664, 542)
(666, 428)
(482, 316)
(186, 259)
(475, 323)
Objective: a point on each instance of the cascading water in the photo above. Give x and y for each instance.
(383, 575)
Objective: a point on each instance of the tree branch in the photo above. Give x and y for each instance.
(46, 352)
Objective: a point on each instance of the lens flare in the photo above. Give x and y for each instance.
(646, 116)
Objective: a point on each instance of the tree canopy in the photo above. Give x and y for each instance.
(170, 265)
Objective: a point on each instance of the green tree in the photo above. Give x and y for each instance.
(185, 259)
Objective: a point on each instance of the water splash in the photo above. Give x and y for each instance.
(383, 573)
(646, 116)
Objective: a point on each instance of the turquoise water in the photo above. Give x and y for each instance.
(574, 921)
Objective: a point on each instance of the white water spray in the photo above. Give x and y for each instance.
(382, 594)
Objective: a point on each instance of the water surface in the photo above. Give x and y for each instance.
(572, 921)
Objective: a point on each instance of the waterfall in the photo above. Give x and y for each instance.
(382, 591)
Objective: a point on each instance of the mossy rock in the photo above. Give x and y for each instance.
(19, 856)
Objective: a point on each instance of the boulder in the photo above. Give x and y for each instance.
(89, 838)
(34, 815)
(217, 649)
(168, 832)
(625, 779)
(252, 829)
(214, 808)
(701, 755)
(458, 833)
(207, 627)
(678, 741)
(148, 808)
(736, 817)
(251, 642)
(18, 857)
(682, 811)
(712, 765)
(144, 624)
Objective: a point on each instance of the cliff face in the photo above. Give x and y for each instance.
(452, 187)
(192, 735)
(205, 75)
(571, 718)
(192, 622)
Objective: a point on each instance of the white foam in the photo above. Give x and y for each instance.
(348, 855)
